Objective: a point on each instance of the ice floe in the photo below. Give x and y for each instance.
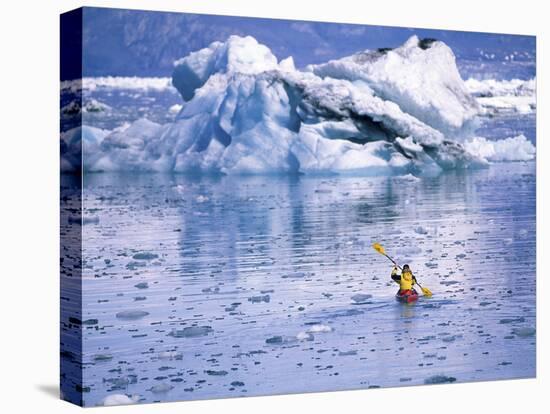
(75, 108)
(439, 379)
(495, 96)
(319, 328)
(517, 148)
(191, 332)
(118, 82)
(119, 399)
(131, 314)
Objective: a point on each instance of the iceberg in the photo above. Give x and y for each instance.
(79, 140)
(401, 111)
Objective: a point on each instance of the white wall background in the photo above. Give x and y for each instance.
(29, 203)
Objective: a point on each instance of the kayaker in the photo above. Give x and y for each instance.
(406, 280)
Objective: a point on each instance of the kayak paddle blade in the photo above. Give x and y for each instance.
(378, 247)
(427, 292)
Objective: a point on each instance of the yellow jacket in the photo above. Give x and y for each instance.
(406, 280)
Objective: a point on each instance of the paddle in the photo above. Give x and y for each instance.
(380, 249)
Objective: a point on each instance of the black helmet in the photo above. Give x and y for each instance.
(406, 267)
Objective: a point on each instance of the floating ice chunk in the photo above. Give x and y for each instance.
(103, 357)
(119, 82)
(132, 314)
(135, 264)
(406, 178)
(439, 379)
(259, 299)
(90, 106)
(304, 336)
(514, 95)
(361, 297)
(493, 87)
(523, 233)
(145, 256)
(347, 353)
(83, 220)
(422, 230)
(169, 355)
(524, 331)
(72, 108)
(78, 141)
(90, 220)
(280, 340)
(509, 104)
(77, 321)
(119, 399)
(191, 332)
(110, 83)
(201, 199)
(218, 373)
(161, 388)
(319, 328)
(517, 148)
(93, 105)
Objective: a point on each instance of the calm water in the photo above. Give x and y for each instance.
(235, 286)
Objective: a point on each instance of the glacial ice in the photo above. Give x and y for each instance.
(237, 55)
(421, 76)
(492, 87)
(74, 107)
(397, 111)
(504, 96)
(319, 328)
(516, 148)
(74, 142)
(117, 82)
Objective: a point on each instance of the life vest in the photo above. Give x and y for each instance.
(406, 282)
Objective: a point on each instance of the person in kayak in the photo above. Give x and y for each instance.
(406, 280)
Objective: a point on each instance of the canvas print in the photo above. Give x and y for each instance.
(255, 206)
